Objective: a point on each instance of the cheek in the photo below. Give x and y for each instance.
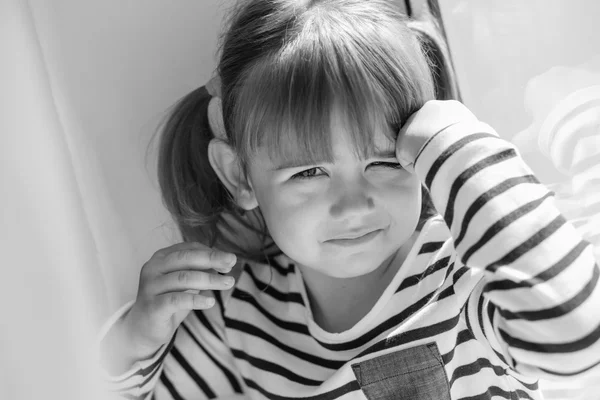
(403, 200)
(288, 219)
(294, 218)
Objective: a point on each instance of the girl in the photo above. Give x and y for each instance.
(310, 178)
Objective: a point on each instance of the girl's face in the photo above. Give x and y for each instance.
(313, 212)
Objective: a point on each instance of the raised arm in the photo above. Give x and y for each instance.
(540, 298)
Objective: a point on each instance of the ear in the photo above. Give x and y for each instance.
(226, 165)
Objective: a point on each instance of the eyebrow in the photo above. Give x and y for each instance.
(296, 163)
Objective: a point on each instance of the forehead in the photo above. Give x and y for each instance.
(381, 139)
(340, 144)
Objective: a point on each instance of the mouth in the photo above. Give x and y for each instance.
(355, 239)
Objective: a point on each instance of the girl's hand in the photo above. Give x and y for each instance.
(169, 288)
(433, 117)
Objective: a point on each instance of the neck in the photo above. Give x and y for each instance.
(337, 304)
(242, 234)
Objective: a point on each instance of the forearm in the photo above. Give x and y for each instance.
(119, 352)
(128, 368)
(542, 277)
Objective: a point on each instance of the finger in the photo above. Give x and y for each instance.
(193, 258)
(180, 246)
(170, 303)
(182, 280)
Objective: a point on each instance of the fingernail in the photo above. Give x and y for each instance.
(228, 280)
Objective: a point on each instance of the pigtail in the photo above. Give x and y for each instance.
(191, 190)
(199, 203)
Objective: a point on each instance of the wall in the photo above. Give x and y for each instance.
(115, 68)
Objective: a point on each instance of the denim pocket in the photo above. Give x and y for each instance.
(416, 373)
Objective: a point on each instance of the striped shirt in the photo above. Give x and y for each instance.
(498, 291)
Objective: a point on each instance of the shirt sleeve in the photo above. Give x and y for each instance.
(196, 364)
(139, 380)
(537, 305)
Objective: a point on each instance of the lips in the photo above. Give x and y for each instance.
(355, 239)
(354, 232)
(354, 235)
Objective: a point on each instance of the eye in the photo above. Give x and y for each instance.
(390, 165)
(307, 174)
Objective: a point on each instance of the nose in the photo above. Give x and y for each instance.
(351, 199)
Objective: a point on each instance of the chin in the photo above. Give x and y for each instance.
(356, 265)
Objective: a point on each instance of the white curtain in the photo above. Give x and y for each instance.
(83, 87)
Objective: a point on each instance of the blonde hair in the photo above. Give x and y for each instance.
(286, 66)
